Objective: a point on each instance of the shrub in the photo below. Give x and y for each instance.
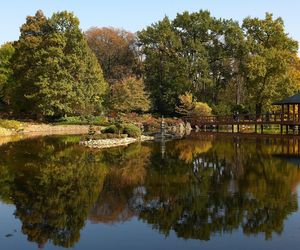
(5, 132)
(201, 109)
(132, 130)
(99, 120)
(81, 120)
(241, 109)
(112, 129)
(124, 128)
(72, 120)
(11, 124)
(221, 109)
(190, 107)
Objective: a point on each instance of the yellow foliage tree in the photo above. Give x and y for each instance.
(190, 107)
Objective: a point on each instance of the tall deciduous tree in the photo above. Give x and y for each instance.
(55, 71)
(165, 74)
(196, 53)
(128, 95)
(271, 51)
(116, 51)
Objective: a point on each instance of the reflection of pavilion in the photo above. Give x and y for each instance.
(290, 151)
(285, 148)
(290, 158)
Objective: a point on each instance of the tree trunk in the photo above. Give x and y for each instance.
(258, 108)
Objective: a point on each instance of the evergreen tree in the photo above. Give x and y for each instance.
(6, 52)
(55, 72)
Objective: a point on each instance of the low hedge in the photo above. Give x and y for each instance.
(132, 130)
(126, 128)
(112, 129)
(81, 120)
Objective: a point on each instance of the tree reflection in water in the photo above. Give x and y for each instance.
(234, 184)
(53, 185)
(201, 187)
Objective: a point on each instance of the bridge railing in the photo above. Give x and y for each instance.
(246, 118)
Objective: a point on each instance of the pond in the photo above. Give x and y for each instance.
(207, 191)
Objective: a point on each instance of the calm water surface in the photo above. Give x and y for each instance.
(203, 192)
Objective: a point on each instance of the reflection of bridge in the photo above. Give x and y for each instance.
(286, 147)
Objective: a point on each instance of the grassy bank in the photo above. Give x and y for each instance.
(10, 127)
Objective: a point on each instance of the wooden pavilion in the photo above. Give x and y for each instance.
(288, 117)
(290, 110)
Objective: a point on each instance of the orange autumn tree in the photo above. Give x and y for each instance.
(115, 50)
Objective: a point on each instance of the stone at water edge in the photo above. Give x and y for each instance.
(188, 127)
(181, 129)
(106, 143)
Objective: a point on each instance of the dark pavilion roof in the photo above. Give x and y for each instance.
(295, 99)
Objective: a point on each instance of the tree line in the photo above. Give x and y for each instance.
(55, 69)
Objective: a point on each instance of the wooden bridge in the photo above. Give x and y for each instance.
(288, 117)
(283, 120)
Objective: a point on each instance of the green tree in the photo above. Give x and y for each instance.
(128, 95)
(53, 190)
(165, 75)
(270, 52)
(197, 201)
(55, 72)
(6, 53)
(195, 52)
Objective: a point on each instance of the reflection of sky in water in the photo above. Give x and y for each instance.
(135, 233)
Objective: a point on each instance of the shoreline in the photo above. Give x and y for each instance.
(36, 130)
(47, 129)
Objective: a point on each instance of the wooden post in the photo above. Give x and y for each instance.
(288, 112)
(261, 128)
(281, 129)
(232, 128)
(286, 129)
(294, 145)
(297, 119)
(298, 113)
(238, 128)
(282, 112)
(294, 113)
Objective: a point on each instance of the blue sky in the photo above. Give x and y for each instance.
(134, 15)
